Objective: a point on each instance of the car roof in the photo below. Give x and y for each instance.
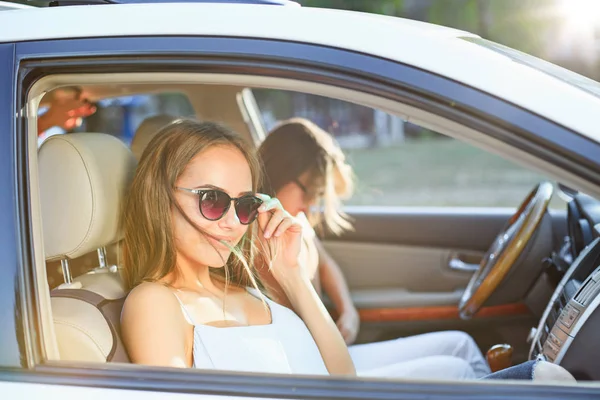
(430, 47)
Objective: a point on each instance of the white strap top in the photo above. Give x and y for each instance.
(283, 346)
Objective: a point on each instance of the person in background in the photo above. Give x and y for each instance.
(66, 110)
(306, 170)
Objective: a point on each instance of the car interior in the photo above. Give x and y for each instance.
(528, 277)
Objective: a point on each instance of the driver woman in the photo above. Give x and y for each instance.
(304, 168)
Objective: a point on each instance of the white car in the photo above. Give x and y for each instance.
(456, 264)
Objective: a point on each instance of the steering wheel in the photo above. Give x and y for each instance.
(505, 250)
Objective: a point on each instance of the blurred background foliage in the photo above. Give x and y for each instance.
(565, 32)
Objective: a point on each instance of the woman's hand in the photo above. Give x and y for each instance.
(281, 234)
(67, 113)
(348, 323)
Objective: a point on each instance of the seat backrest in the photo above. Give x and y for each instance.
(87, 324)
(83, 180)
(147, 130)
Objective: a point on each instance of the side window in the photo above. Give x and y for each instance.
(398, 163)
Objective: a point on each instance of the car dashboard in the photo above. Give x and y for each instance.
(569, 327)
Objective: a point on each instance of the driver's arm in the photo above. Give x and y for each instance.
(335, 286)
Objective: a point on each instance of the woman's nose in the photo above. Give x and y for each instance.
(230, 219)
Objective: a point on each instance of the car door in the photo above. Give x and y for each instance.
(25, 370)
(188, 54)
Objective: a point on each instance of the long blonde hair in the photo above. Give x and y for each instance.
(149, 252)
(297, 146)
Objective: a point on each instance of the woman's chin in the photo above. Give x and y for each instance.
(218, 260)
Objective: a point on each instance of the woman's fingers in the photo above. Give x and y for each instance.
(269, 203)
(283, 226)
(84, 110)
(343, 330)
(270, 214)
(273, 219)
(72, 123)
(277, 216)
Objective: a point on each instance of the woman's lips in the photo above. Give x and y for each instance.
(220, 242)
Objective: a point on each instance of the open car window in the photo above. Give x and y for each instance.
(400, 163)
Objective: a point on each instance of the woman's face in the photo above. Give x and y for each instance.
(295, 196)
(219, 167)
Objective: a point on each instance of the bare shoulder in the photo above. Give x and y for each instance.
(153, 327)
(150, 291)
(152, 299)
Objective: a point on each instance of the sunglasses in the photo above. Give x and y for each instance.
(301, 186)
(306, 192)
(214, 204)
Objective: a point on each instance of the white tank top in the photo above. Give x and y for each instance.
(283, 346)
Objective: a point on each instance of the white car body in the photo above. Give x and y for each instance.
(428, 47)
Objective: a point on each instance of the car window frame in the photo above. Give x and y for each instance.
(347, 69)
(251, 114)
(14, 336)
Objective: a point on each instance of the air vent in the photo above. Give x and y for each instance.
(587, 292)
(562, 300)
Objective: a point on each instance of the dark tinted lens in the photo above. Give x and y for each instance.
(214, 204)
(246, 209)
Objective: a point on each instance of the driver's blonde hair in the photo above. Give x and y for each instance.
(298, 146)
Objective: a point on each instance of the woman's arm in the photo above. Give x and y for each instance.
(334, 285)
(275, 290)
(282, 234)
(310, 308)
(153, 327)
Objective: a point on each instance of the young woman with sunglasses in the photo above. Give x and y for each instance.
(194, 230)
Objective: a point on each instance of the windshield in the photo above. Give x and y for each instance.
(570, 77)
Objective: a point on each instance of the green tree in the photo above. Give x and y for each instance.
(387, 7)
(524, 25)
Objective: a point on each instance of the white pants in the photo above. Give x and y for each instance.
(436, 355)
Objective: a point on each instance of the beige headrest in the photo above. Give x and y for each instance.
(147, 130)
(83, 179)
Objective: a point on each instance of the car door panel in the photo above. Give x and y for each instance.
(464, 228)
(400, 249)
(369, 267)
(396, 263)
